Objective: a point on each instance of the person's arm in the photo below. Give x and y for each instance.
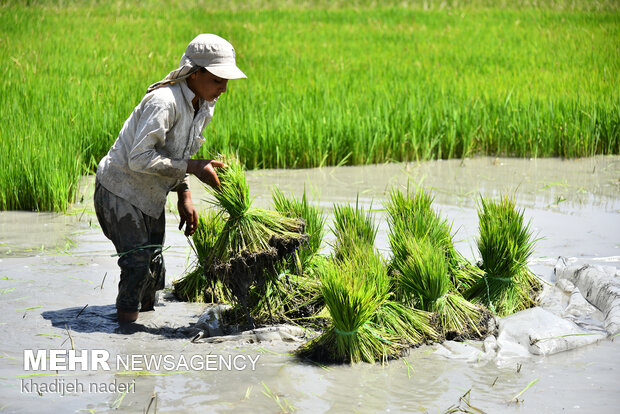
(187, 212)
(204, 170)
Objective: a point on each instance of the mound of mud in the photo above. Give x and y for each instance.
(246, 269)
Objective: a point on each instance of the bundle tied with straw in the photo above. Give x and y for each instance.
(252, 240)
(422, 281)
(428, 271)
(410, 215)
(366, 323)
(505, 245)
(353, 294)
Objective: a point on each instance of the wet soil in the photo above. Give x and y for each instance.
(58, 284)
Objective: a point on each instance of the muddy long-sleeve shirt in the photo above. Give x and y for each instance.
(149, 157)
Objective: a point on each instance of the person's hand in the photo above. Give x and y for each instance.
(205, 171)
(187, 213)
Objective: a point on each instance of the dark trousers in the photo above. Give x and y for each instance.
(138, 239)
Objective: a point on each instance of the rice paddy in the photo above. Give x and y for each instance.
(438, 381)
(328, 83)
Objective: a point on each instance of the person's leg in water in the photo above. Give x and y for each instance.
(138, 239)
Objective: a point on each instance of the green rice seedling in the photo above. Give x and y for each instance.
(210, 225)
(314, 225)
(352, 295)
(283, 298)
(292, 293)
(407, 325)
(410, 215)
(252, 241)
(535, 79)
(366, 325)
(191, 287)
(421, 278)
(354, 228)
(505, 245)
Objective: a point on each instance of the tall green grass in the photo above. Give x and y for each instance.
(327, 83)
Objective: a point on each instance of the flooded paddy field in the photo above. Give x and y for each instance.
(58, 285)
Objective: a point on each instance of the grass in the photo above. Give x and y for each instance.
(516, 397)
(282, 403)
(328, 82)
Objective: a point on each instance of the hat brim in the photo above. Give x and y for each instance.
(226, 72)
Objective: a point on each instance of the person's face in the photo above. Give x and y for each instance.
(206, 85)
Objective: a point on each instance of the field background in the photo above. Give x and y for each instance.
(328, 82)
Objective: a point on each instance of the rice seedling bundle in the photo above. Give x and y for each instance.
(352, 295)
(252, 241)
(355, 229)
(191, 287)
(313, 218)
(366, 325)
(506, 243)
(422, 280)
(411, 216)
(282, 298)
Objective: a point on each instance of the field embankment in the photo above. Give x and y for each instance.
(326, 85)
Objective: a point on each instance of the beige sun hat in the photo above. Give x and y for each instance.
(208, 51)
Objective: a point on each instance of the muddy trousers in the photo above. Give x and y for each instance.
(138, 239)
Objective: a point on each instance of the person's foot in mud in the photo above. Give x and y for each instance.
(126, 317)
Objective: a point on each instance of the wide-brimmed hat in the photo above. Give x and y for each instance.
(207, 51)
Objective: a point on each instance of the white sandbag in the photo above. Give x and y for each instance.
(540, 332)
(462, 351)
(599, 285)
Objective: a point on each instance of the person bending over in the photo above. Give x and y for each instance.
(150, 158)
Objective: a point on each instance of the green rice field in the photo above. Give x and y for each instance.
(328, 83)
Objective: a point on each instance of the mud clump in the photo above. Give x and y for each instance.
(486, 326)
(247, 269)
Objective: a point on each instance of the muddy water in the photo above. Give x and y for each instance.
(52, 266)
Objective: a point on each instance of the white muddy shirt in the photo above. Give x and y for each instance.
(149, 157)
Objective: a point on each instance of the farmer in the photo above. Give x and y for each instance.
(150, 158)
